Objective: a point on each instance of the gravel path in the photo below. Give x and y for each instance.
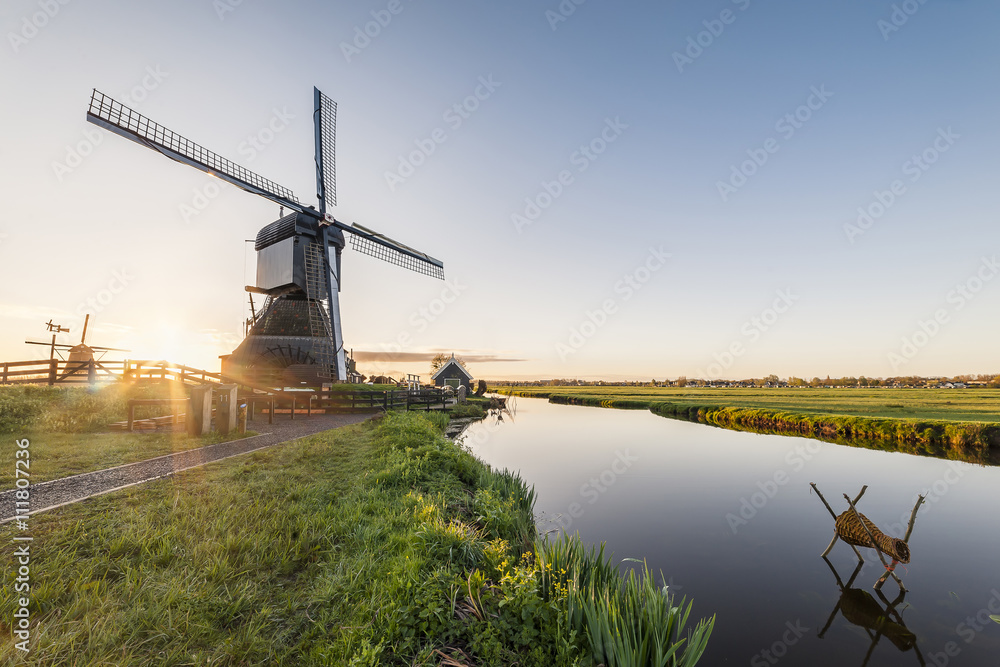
(59, 492)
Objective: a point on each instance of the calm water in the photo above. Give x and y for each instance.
(729, 519)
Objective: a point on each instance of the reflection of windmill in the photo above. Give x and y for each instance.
(860, 608)
(297, 335)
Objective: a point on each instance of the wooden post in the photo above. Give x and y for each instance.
(226, 411)
(53, 370)
(293, 407)
(131, 415)
(5, 367)
(91, 373)
(199, 414)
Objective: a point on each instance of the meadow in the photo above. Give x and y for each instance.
(67, 427)
(952, 423)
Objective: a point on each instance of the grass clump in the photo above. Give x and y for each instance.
(467, 410)
(380, 544)
(74, 409)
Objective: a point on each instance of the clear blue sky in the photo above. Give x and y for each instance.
(739, 138)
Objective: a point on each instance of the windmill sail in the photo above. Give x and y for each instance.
(382, 247)
(120, 119)
(326, 150)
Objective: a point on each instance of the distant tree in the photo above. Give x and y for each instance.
(682, 381)
(441, 359)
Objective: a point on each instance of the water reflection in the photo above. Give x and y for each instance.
(661, 490)
(860, 608)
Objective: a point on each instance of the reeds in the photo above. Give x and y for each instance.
(629, 620)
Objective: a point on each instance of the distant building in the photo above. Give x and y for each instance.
(453, 374)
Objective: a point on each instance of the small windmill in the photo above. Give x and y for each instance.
(297, 335)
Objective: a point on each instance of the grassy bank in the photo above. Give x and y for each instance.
(376, 544)
(67, 427)
(956, 424)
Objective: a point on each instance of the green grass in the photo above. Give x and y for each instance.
(67, 427)
(56, 455)
(469, 409)
(959, 424)
(375, 544)
(964, 405)
(77, 409)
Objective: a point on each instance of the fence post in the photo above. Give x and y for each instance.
(91, 373)
(53, 369)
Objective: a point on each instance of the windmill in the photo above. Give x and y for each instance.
(297, 335)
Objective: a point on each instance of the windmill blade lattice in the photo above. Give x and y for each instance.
(382, 247)
(326, 150)
(112, 115)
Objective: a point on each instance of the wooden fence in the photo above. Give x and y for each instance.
(399, 399)
(57, 371)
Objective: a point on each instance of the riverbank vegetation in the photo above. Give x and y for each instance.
(382, 543)
(962, 424)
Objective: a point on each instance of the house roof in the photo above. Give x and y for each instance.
(450, 362)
